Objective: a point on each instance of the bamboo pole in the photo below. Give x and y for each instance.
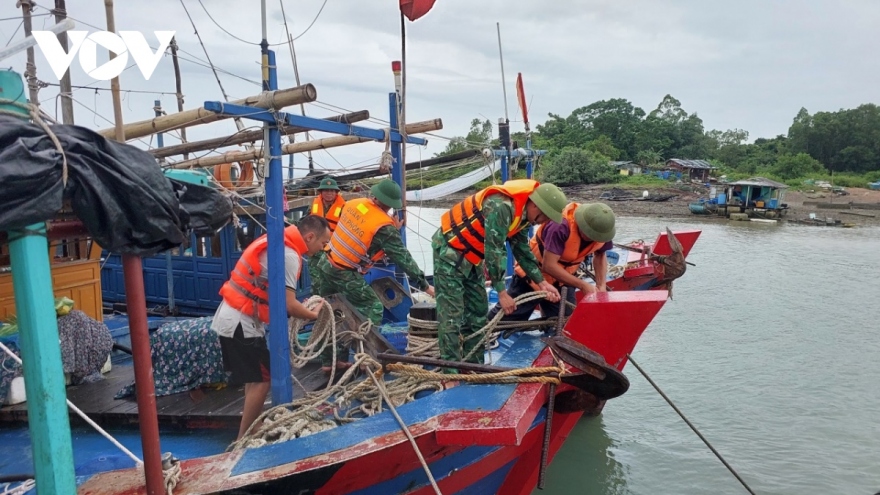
(257, 153)
(268, 99)
(30, 74)
(247, 137)
(66, 91)
(179, 87)
(288, 149)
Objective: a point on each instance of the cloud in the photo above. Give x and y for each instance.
(750, 64)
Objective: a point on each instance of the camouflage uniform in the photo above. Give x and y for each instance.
(459, 285)
(351, 284)
(314, 275)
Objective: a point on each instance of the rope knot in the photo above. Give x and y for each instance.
(171, 471)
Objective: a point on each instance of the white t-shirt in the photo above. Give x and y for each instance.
(227, 318)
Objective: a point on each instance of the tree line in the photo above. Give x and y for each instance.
(581, 145)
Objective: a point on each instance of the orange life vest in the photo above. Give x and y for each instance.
(463, 223)
(332, 214)
(574, 253)
(358, 224)
(246, 289)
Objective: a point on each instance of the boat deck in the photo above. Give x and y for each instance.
(204, 407)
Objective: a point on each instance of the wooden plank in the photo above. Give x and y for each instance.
(858, 214)
(200, 406)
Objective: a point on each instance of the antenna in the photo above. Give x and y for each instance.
(503, 84)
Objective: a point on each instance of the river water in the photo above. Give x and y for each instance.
(770, 347)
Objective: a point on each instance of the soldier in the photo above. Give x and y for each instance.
(241, 318)
(328, 203)
(365, 234)
(560, 248)
(473, 231)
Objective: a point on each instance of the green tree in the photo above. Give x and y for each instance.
(578, 166)
(648, 157)
(616, 119)
(673, 133)
(479, 136)
(603, 146)
(790, 166)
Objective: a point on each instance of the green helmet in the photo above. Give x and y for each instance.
(388, 193)
(328, 183)
(550, 200)
(596, 221)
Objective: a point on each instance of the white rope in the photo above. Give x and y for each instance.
(323, 410)
(428, 343)
(172, 475)
(386, 161)
(21, 489)
(323, 334)
(83, 415)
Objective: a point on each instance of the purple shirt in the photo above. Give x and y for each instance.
(556, 235)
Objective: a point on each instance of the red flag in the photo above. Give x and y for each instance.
(521, 98)
(413, 9)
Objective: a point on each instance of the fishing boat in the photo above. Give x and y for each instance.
(455, 438)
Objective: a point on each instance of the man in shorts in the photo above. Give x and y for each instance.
(242, 316)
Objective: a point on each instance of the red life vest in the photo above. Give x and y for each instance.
(574, 253)
(332, 214)
(463, 223)
(246, 289)
(358, 224)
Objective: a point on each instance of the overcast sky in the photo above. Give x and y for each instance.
(748, 64)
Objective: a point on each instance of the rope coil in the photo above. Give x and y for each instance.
(425, 342)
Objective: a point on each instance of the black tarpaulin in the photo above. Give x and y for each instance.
(117, 190)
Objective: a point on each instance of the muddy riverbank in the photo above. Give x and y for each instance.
(675, 204)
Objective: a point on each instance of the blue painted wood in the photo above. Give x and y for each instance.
(491, 398)
(197, 277)
(41, 355)
(308, 122)
(397, 168)
(490, 483)
(279, 344)
(412, 480)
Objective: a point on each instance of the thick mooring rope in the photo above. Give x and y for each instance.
(323, 335)
(425, 341)
(519, 375)
(346, 401)
(172, 476)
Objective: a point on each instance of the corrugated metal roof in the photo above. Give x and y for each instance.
(760, 182)
(691, 163)
(620, 164)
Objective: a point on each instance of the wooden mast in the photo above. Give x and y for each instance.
(178, 86)
(135, 301)
(66, 91)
